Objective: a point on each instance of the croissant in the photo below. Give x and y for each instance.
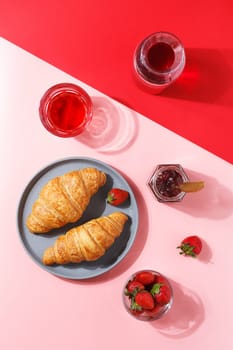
(86, 242)
(64, 199)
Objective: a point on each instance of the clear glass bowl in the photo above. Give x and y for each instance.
(65, 110)
(147, 314)
(165, 180)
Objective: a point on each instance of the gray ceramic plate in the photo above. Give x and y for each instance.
(36, 244)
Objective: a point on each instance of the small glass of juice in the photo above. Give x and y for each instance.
(158, 61)
(65, 110)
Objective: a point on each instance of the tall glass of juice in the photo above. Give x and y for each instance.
(65, 110)
(158, 61)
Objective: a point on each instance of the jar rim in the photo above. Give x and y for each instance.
(149, 73)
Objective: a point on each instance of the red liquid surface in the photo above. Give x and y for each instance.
(67, 111)
(161, 56)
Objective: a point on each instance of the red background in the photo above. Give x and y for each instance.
(94, 41)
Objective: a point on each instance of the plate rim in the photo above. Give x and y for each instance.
(24, 194)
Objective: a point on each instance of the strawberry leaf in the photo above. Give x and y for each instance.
(135, 306)
(110, 198)
(155, 288)
(187, 249)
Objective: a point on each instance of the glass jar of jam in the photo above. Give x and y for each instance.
(165, 182)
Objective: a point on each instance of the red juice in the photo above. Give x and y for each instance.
(161, 56)
(158, 61)
(67, 111)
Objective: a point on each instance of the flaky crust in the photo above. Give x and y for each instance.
(87, 242)
(64, 199)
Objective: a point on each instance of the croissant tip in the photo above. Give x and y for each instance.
(49, 257)
(121, 213)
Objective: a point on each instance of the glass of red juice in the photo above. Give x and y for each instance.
(158, 61)
(65, 110)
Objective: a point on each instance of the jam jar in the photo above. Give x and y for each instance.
(165, 180)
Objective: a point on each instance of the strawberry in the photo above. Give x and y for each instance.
(143, 300)
(191, 245)
(117, 196)
(136, 312)
(160, 279)
(156, 309)
(161, 293)
(145, 277)
(133, 287)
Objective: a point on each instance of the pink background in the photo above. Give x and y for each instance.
(94, 41)
(39, 310)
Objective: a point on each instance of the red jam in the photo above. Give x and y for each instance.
(161, 56)
(165, 182)
(168, 182)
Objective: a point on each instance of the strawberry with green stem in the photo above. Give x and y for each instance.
(133, 287)
(117, 196)
(143, 300)
(161, 293)
(145, 277)
(190, 246)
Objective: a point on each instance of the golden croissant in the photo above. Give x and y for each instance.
(64, 199)
(86, 242)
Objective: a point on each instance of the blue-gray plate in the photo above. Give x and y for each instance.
(35, 244)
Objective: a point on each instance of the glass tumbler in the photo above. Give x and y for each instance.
(147, 307)
(65, 110)
(158, 61)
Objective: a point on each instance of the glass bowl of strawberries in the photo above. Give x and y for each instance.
(147, 295)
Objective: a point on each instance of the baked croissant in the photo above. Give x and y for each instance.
(86, 242)
(64, 199)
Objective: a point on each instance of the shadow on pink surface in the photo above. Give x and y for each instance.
(206, 254)
(215, 201)
(112, 129)
(207, 77)
(185, 316)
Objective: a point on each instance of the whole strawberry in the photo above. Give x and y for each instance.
(145, 277)
(143, 300)
(191, 246)
(133, 287)
(117, 196)
(161, 293)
